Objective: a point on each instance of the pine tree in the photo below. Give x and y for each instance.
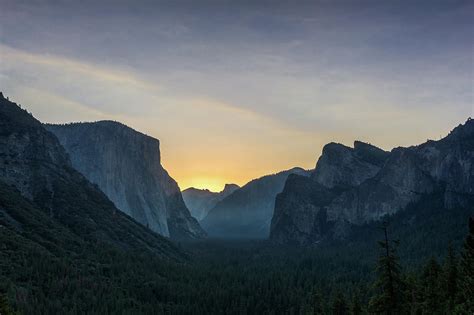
(467, 273)
(430, 282)
(339, 305)
(356, 307)
(4, 306)
(388, 282)
(413, 295)
(317, 303)
(450, 283)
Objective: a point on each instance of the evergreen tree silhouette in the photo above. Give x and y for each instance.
(467, 273)
(388, 282)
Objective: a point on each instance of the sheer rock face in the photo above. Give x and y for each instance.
(125, 164)
(353, 186)
(247, 212)
(343, 166)
(33, 163)
(201, 201)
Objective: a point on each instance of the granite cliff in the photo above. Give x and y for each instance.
(125, 164)
(353, 186)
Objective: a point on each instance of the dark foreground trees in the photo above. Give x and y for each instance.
(250, 278)
(435, 289)
(466, 280)
(5, 308)
(388, 286)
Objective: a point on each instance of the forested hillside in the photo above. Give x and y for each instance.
(253, 277)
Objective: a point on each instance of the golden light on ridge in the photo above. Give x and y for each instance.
(213, 184)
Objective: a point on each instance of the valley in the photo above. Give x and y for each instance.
(216, 157)
(292, 242)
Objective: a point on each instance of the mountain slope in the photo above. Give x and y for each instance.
(125, 164)
(247, 212)
(348, 187)
(201, 201)
(33, 161)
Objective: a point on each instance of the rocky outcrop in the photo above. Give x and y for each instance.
(201, 201)
(34, 164)
(125, 165)
(363, 184)
(247, 212)
(341, 166)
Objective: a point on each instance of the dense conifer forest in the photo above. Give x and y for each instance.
(424, 266)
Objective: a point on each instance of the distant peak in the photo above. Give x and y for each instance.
(230, 187)
(463, 130)
(363, 146)
(333, 146)
(296, 169)
(197, 189)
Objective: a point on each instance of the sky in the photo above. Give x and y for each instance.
(235, 90)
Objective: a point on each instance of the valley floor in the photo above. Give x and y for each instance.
(248, 277)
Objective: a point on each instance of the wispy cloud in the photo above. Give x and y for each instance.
(237, 90)
(96, 72)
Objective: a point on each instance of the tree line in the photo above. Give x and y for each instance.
(438, 288)
(240, 279)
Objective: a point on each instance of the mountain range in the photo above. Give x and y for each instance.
(354, 186)
(201, 201)
(349, 186)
